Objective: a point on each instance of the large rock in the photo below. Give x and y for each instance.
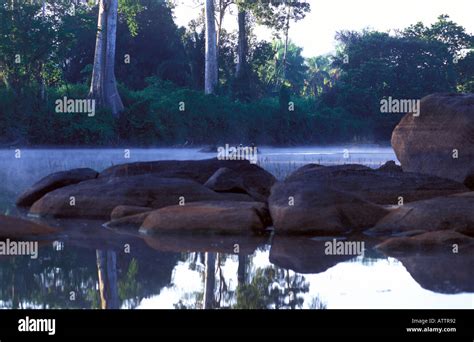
(52, 182)
(307, 207)
(336, 199)
(128, 210)
(133, 222)
(228, 180)
(469, 181)
(16, 228)
(97, 198)
(382, 186)
(390, 166)
(426, 143)
(255, 179)
(215, 217)
(454, 212)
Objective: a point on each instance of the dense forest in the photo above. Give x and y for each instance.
(158, 84)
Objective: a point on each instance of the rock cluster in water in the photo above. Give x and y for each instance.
(425, 204)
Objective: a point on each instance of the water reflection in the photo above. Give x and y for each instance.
(107, 275)
(442, 273)
(289, 273)
(99, 268)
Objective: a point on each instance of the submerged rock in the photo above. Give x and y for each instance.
(52, 182)
(454, 212)
(440, 141)
(226, 217)
(16, 228)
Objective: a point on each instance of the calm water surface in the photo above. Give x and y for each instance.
(205, 271)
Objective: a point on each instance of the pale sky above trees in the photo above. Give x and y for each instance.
(316, 32)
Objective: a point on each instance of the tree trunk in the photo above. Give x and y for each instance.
(211, 72)
(287, 34)
(242, 47)
(104, 85)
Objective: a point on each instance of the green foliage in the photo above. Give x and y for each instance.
(283, 98)
(28, 120)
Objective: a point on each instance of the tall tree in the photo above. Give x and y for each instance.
(242, 47)
(211, 70)
(278, 14)
(104, 85)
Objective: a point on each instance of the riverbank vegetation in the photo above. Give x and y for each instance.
(266, 92)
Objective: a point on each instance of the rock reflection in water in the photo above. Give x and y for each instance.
(303, 255)
(230, 244)
(441, 273)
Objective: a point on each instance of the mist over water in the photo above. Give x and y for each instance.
(19, 173)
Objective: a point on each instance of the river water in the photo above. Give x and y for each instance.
(206, 272)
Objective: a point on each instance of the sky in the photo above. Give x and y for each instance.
(316, 32)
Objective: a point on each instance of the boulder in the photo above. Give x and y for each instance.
(52, 182)
(256, 180)
(335, 199)
(469, 181)
(312, 207)
(228, 180)
(128, 210)
(390, 166)
(224, 217)
(454, 212)
(17, 228)
(377, 186)
(128, 222)
(98, 197)
(312, 171)
(440, 141)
